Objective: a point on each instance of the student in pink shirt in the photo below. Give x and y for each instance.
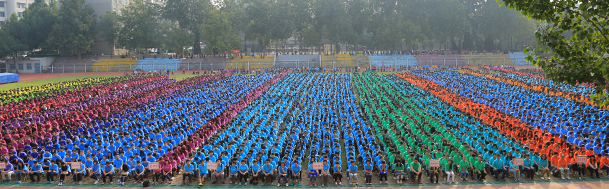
(167, 172)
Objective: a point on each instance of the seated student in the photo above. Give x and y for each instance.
(449, 170)
(479, 169)
(325, 173)
(188, 174)
(398, 172)
(382, 172)
(139, 172)
(166, 172)
(604, 162)
(527, 168)
(63, 172)
(464, 168)
(282, 173)
(498, 166)
(219, 172)
(312, 173)
(243, 172)
(202, 171)
(514, 169)
(295, 173)
(353, 173)
(95, 171)
(368, 172)
(415, 171)
(592, 166)
(124, 173)
(37, 171)
(20, 171)
(107, 172)
(543, 166)
(232, 173)
(256, 170)
(52, 172)
(79, 173)
(267, 172)
(338, 174)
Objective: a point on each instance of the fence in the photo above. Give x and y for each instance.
(283, 64)
(131, 67)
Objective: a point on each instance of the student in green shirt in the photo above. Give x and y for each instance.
(399, 172)
(479, 169)
(464, 167)
(415, 171)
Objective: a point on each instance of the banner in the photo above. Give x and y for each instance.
(434, 163)
(153, 166)
(318, 166)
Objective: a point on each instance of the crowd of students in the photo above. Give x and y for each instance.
(270, 127)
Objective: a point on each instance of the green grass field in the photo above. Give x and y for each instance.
(10, 86)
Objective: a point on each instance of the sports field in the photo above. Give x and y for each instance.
(396, 125)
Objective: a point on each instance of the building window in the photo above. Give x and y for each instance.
(20, 14)
(28, 66)
(20, 66)
(21, 5)
(1, 4)
(12, 66)
(2, 14)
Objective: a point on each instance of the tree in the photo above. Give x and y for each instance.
(219, 35)
(110, 27)
(139, 26)
(75, 29)
(190, 15)
(11, 35)
(581, 58)
(173, 37)
(39, 20)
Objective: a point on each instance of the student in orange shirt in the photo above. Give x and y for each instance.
(604, 163)
(563, 166)
(592, 165)
(579, 168)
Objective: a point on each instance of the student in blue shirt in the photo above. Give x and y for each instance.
(20, 171)
(325, 173)
(282, 173)
(232, 172)
(95, 171)
(267, 171)
(528, 169)
(107, 172)
(312, 173)
(139, 172)
(368, 172)
(383, 172)
(189, 169)
(37, 171)
(52, 172)
(202, 171)
(296, 173)
(243, 172)
(79, 172)
(219, 172)
(338, 174)
(353, 173)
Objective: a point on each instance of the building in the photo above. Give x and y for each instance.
(8, 7)
(100, 46)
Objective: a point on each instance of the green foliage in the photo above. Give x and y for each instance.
(219, 34)
(139, 29)
(581, 58)
(75, 29)
(110, 27)
(39, 20)
(190, 15)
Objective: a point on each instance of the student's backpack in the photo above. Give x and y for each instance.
(146, 183)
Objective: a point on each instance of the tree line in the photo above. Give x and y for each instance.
(222, 24)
